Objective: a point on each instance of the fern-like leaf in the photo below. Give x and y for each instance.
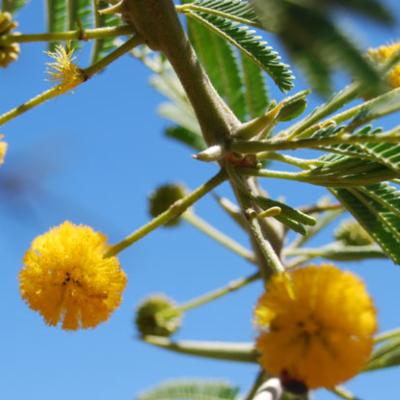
(79, 14)
(220, 63)
(236, 10)
(56, 18)
(191, 390)
(102, 47)
(250, 45)
(374, 207)
(386, 154)
(187, 137)
(315, 41)
(255, 91)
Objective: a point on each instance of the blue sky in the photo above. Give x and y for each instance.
(93, 157)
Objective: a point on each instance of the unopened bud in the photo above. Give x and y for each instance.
(163, 198)
(351, 233)
(158, 316)
(9, 52)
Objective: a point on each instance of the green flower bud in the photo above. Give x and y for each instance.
(8, 51)
(292, 109)
(351, 233)
(163, 198)
(158, 316)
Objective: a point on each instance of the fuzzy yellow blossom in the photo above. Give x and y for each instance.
(3, 149)
(321, 333)
(382, 54)
(63, 70)
(67, 279)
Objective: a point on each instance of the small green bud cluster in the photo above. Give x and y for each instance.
(351, 233)
(9, 51)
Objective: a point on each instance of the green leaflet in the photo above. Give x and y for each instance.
(315, 41)
(56, 18)
(374, 207)
(102, 47)
(236, 10)
(191, 390)
(220, 63)
(343, 171)
(255, 91)
(187, 137)
(250, 45)
(371, 8)
(79, 15)
(79, 12)
(12, 6)
(386, 154)
(292, 218)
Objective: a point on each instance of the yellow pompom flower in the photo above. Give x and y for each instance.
(321, 332)
(67, 278)
(3, 150)
(63, 70)
(382, 54)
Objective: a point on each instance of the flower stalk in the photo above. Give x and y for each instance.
(174, 211)
(87, 34)
(59, 89)
(241, 352)
(218, 236)
(216, 294)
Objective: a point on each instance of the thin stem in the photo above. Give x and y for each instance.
(59, 89)
(268, 252)
(327, 181)
(35, 101)
(186, 8)
(271, 263)
(242, 352)
(338, 101)
(243, 146)
(320, 208)
(295, 161)
(118, 52)
(218, 236)
(87, 34)
(387, 335)
(338, 252)
(343, 393)
(174, 211)
(216, 294)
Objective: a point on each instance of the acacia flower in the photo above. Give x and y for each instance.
(63, 70)
(382, 54)
(3, 149)
(321, 332)
(67, 279)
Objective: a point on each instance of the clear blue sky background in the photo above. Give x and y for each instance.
(93, 157)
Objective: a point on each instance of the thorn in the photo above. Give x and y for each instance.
(114, 9)
(212, 153)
